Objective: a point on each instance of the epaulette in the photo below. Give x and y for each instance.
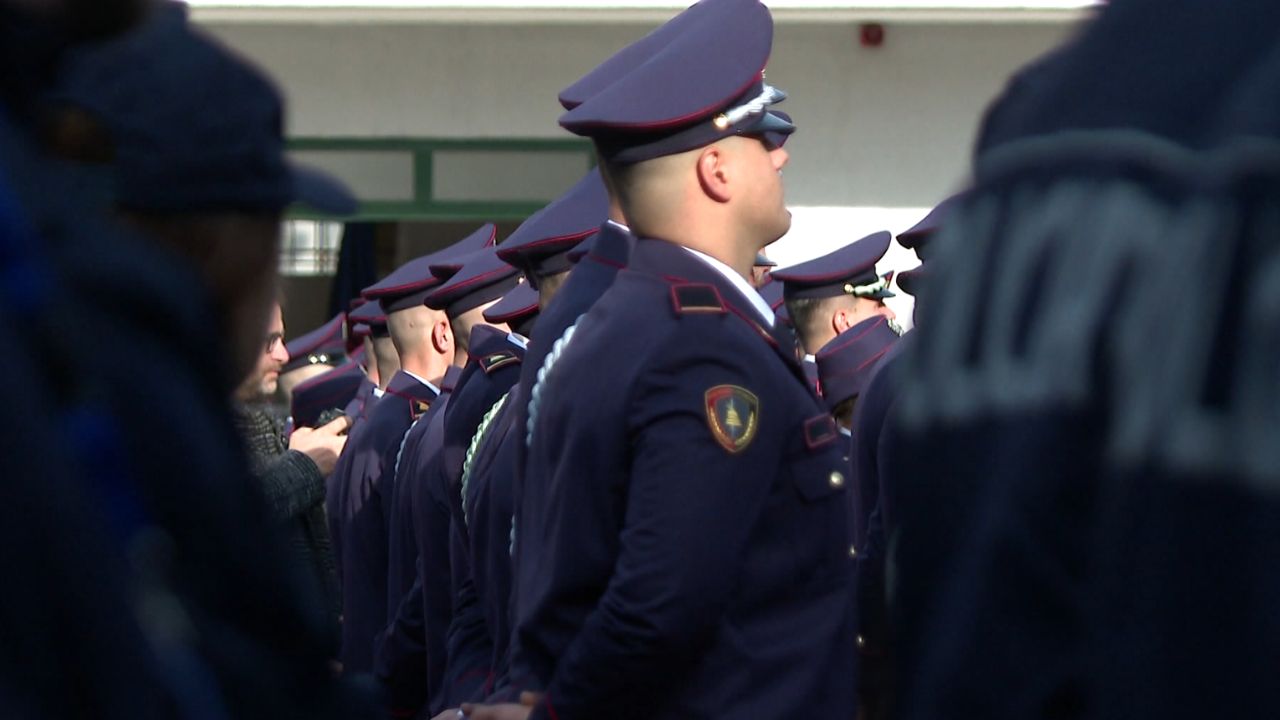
(493, 349)
(495, 360)
(697, 298)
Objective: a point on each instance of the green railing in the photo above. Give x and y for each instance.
(424, 203)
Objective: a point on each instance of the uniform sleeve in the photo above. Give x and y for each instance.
(691, 504)
(400, 658)
(469, 646)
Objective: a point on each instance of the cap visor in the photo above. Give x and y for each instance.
(909, 281)
(323, 192)
(772, 122)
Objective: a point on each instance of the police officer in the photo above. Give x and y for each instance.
(846, 364)
(475, 282)
(873, 417)
(830, 294)
(469, 283)
(483, 529)
(362, 489)
(674, 441)
(369, 320)
(456, 652)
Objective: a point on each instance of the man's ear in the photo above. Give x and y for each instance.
(442, 337)
(713, 172)
(840, 321)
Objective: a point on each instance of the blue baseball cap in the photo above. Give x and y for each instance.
(193, 127)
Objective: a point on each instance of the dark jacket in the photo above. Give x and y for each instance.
(686, 504)
(294, 488)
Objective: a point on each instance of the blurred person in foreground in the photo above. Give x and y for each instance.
(179, 599)
(1083, 460)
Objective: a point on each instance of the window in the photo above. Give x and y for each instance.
(310, 247)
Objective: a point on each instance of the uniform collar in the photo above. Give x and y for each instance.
(673, 264)
(612, 245)
(407, 385)
(740, 284)
(430, 385)
(450, 380)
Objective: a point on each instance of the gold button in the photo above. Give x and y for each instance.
(853, 551)
(861, 643)
(837, 479)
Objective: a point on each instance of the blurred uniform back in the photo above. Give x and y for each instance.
(1086, 406)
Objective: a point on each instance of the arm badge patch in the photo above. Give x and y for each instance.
(733, 414)
(418, 408)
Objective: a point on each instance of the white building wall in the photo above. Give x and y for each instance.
(884, 132)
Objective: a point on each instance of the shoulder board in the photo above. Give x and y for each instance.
(486, 339)
(491, 362)
(697, 298)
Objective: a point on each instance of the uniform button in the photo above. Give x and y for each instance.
(853, 551)
(837, 479)
(861, 642)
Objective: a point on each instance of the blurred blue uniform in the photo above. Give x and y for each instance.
(149, 581)
(1100, 407)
